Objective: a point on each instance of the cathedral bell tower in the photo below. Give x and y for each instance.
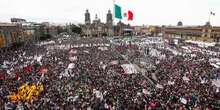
(87, 18)
(109, 19)
(109, 24)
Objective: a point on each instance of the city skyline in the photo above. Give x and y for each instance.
(156, 12)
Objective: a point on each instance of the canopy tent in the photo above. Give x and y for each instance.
(71, 66)
(129, 69)
(216, 83)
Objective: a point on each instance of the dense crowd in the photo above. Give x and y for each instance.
(182, 81)
(86, 73)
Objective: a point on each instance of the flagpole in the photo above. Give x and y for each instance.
(113, 12)
(113, 22)
(209, 16)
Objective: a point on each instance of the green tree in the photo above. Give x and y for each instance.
(76, 29)
(60, 29)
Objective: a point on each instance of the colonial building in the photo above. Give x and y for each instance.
(18, 20)
(155, 31)
(20, 31)
(97, 28)
(206, 33)
(9, 34)
(150, 30)
(32, 31)
(122, 29)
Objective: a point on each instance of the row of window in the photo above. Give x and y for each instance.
(13, 37)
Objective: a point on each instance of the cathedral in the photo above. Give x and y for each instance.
(96, 28)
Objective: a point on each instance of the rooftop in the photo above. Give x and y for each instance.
(7, 24)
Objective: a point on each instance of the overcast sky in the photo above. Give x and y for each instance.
(154, 12)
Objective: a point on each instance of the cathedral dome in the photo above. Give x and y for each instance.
(180, 23)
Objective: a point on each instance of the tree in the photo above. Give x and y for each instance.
(104, 34)
(45, 36)
(76, 29)
(60, 29)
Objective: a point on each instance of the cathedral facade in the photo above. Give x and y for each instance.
(96, 28)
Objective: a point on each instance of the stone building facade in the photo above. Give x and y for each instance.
(21, 31)
(97, 28)
(9, 34)
(206, 33)
(122, 29)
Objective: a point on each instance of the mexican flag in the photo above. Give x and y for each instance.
(128, 14)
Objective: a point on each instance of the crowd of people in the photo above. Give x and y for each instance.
(182, 81)
(86, 73)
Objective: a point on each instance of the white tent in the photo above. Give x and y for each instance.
(183, 100)
(216, 83)
(98, 94)
(73, 58)
(213, 64)
(159, 86)
(146, 91)
(102, 48)
(201, 44)
(186, 79)
(73, 51)
(171, 82)
(71, 66)
(114, 62)
(129, 68)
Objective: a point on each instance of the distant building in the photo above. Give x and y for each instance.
(9, 34)
(31, 31)
(87, 18)
(180, 23)
(206, 33)
(146, 30)
(109, 24)
(122, 29)
(27, 29)
(13, 33)
(21, 31)
(97, 28)
(18, 20)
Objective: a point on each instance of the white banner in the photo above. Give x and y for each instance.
(129, 69)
